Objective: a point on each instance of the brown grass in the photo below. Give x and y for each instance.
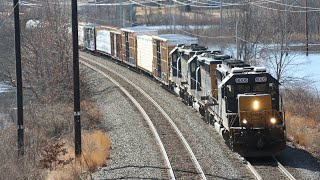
(303, 132)
(91, 112)
(302, 118)
(96, 149)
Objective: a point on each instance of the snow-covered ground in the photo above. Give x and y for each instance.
(5, 87)
(7, 103)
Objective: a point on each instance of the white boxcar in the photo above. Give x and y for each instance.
(145, 53)
(129, 42)
(103, 40)
(81, 34)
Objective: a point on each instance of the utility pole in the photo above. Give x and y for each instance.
(237, 43)
(173, 14)
(221, 21)
(19, 79)
(221, 15)
(306, 28)
(76, 82)
(286, 27)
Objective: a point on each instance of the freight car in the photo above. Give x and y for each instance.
(129, 42)
(239, 100)
(154, 52)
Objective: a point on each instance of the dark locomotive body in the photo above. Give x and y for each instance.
(239, 100)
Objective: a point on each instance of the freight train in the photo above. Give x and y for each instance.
(241, 101)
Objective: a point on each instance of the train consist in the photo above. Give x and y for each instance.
(239, 100)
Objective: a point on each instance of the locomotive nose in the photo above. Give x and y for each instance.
(255, 110)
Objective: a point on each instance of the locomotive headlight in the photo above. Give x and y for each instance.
(273, 120)
(256, 105)
(244, 121)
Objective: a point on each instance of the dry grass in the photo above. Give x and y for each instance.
(45, 125)
(304, 132)
(96, 149)
(91, 114)
(302, 118)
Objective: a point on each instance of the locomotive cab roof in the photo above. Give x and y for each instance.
(212, 57)
(190, 49)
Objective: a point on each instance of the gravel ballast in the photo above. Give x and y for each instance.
(134, 152)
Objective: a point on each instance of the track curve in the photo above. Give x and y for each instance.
(183, 161)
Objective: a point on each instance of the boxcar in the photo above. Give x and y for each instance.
(162, 46)
(116, 44)
(145, 53)
(103, 40)
(81, 34)
(129, 42)
(89, 37)
(108, 41)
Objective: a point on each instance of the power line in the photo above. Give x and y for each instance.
(291, 6)
(10, 13)
(280, 10)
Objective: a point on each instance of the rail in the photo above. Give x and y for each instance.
(271, 162)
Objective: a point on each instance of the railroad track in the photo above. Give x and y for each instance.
(180, 161)
(268, 168)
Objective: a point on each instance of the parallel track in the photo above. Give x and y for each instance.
(177, 153)
(268, 168)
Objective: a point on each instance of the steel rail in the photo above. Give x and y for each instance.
(253, 170)
(185, 143)
(145, 116)
(279, 165)
(284, 170)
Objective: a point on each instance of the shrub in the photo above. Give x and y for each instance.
(95, 151)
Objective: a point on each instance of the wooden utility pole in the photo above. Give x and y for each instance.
(19, 79)
(306, 28)
(221, 23)
(221, 18)
(237, 43)
(76, 81)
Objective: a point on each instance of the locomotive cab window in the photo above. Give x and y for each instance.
(273, 89)
(193, 67)
(185, 57)
(230, 90)
(174, 64)
(244, 88)
(260, 87)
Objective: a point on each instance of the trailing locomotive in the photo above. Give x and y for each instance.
(239, 100)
